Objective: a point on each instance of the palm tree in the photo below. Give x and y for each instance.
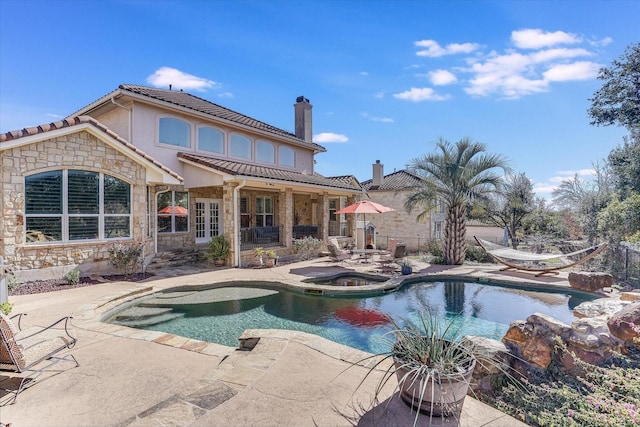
(456, 176)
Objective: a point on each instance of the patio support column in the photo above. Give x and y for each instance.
(286, 216)
(324, 217)
(229, 224)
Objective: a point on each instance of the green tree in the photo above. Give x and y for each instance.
(624, 162)
(509, 205)
(617, 102)
(456, 175)
(584, 200)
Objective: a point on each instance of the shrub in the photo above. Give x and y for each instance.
(73, 277)
(477, 254)
(607, 395)
(126, 257)
(308, 247)
(434, 247)
(6, 307)
(12, 283)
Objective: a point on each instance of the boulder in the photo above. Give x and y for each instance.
(535, 338)
(630, 296)
(590, 281)
(600, 307)
(493, 360)
(625, 324)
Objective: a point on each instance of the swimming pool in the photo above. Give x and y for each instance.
(220, 315)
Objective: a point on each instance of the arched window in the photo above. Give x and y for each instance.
(265, 152)
(174, 132)
(210, 139)
(286, 156)
(240, 146)
(72, 205)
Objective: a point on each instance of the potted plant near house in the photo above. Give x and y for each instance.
(433, 368)
(406, 267)
(258, 254)
(272, 257)
(218, 250)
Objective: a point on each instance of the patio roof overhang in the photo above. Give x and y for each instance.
(200, 171)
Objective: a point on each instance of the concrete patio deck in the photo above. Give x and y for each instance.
(130, 377)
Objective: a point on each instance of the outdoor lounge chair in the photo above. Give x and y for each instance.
(335, 253)
(23, 350)
(538, 263)
(399, 251)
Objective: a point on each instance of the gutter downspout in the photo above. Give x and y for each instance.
(113, 101)
(236, 222)
(155, 229)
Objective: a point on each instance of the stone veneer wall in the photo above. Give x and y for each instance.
(80, 150)
(398, 224)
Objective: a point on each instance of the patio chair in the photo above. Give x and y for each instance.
(387, 262)
(23, 350)
(335, 253)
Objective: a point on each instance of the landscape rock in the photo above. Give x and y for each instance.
(534, 338)
(600, 307)
(493, 360)
(630, 296)
(590, 281)
(625, 324)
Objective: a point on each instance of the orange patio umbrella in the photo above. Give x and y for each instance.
(178, 211)
(364, 207)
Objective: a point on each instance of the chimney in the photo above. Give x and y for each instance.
(302, 109)
(378, 173)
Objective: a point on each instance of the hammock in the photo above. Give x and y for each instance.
(540, 263)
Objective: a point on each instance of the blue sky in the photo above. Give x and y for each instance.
(386, 78)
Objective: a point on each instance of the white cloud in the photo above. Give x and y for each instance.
(536, 38)
(165, 76)
(329, 137)
(55, 116)
(364, 73)
(377, 119)
(583, 70)
(379, 95)
(602, 42)
(225, 95)
(434, 50)
(552, 183)
(555, 54)
(442, 77)
(420, 94)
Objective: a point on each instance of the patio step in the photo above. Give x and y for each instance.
(176, 258)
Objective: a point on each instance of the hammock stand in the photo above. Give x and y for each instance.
(538, 263)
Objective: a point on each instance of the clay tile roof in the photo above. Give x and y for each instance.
(400, 180)
(74, 121)
(186, 100)
(347, 182)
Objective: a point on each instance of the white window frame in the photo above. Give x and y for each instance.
(65, 215)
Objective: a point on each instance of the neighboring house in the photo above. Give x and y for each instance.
(392, 190)
(164, 169)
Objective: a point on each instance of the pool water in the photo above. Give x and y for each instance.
(478, 309)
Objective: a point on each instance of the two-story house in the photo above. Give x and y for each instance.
(167, 170)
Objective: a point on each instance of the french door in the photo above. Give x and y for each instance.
(208, 219)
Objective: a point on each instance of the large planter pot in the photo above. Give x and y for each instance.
(443, 395)
(405, 270)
